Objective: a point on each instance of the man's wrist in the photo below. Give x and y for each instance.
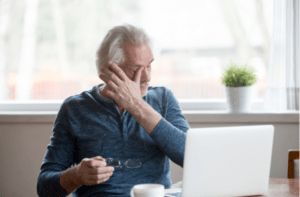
(137, 107)
(132, 108)
(77, 180)
(70, 180)
(146, 116)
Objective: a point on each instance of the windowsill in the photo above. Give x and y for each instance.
(224, 116)
(192, 116)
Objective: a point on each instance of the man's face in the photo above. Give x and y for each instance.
(135, 57)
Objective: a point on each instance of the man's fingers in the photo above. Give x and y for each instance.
(138, 74)
(99, 158)
(100, 176)
(110, 73)
(108, 82)
(94, 171)
(102, 180)
(117, 70)
(94, 163)
(101, 170)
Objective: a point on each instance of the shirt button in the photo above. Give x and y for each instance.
(124, 131)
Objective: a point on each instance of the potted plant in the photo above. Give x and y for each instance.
(239, 81)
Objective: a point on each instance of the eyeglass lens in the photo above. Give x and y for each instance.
(113, 162)
(130, 163)
(133, 163)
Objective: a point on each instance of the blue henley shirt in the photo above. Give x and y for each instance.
(80, 127)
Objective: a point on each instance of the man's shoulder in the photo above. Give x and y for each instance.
(84, 96)
(158, 92)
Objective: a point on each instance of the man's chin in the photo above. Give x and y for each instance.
(144, 90)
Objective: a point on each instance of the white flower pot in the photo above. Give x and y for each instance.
(239, 99)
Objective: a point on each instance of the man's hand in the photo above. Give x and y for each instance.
(125, 92)
(93, 171)
(127, 95)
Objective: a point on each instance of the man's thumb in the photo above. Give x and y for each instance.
(99, 157)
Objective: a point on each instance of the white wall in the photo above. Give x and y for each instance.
(23, 145)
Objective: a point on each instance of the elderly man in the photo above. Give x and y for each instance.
(118, 134)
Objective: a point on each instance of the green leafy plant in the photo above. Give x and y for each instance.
(238, 76)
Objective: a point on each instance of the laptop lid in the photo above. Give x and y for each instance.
(227, 161)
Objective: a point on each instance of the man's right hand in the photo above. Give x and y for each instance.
(93, 171)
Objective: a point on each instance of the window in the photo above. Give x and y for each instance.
(48, 47)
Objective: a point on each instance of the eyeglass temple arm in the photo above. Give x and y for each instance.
(146, 151)
(103, 145)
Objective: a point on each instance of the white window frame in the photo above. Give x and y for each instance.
(185, 105)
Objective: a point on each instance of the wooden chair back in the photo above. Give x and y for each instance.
(293, 154)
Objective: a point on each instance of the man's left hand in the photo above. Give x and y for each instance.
(125, 92)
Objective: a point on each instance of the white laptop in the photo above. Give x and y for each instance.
(227, 161)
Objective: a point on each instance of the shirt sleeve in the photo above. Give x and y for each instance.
(58, 157)
(170, 133)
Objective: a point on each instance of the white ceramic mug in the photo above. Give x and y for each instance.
(148, 190)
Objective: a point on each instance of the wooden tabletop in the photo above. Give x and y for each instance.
(283, 188)
(277, 188)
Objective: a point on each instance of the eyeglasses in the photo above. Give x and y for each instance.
(115, 162)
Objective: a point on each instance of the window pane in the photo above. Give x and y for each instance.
(48, 47)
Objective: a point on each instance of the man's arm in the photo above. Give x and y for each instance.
(69, 180)
(146, 116)
(55, 179)
(127, 95)
(170, 134)
(58, 157)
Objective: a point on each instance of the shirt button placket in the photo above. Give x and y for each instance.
(124, 126)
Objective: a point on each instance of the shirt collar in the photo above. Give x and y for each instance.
(102, 98)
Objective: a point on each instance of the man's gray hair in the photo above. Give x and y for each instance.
(111, 47)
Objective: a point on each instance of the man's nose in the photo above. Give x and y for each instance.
(146, 75)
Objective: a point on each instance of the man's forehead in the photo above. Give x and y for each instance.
(136, 64)
(138, 55)
(136, 49)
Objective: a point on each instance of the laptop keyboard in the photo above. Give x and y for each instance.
(175, 194)
(176, 185)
